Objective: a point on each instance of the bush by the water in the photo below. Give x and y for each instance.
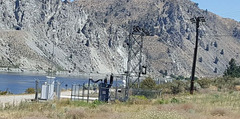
(3, 92)
(30, 91)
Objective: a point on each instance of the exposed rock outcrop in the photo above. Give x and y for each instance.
(89, 36)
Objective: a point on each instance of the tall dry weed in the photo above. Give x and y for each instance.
(77, 113)
(219, 112)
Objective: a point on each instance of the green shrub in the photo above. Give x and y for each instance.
(224, 83)
(166, 88)
(236, 81)
(175, 87)
(178, 87)
(175, 100)
(148, 83)
(96, 103)
(138, 99)
(204, 83)
(162, 101)
(30, 91)
(3, 92)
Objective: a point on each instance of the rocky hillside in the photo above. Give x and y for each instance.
(40, 34)
(90, 35)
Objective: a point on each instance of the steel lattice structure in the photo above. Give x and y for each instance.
(135, 57)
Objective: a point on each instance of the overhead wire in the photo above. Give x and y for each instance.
(218, 50)
(216, 35)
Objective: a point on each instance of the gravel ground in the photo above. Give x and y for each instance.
(16, 99)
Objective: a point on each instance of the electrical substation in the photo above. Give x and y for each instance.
(116, 86)
(110, 88)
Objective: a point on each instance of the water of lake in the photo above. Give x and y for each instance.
(17, 83)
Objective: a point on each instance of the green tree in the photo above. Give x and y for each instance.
(232, 70)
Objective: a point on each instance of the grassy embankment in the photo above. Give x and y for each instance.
(214, 104)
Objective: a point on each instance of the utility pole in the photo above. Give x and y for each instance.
(196, 20)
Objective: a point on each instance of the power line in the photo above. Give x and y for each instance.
(219, 35)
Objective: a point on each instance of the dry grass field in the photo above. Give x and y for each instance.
(210, 105)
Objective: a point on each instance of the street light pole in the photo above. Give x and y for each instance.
(196, 20)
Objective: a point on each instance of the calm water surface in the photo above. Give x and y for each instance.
(17, 83)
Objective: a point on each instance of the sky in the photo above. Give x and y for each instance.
(224, 8)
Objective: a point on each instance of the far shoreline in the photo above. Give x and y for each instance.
(18, 71)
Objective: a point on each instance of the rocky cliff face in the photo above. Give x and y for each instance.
(171, 47)
(47, 33)
(88, 36)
